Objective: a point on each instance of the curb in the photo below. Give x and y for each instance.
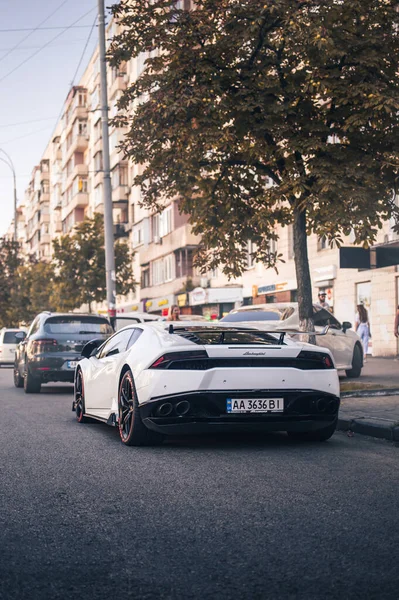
(370, 393)
(378, 428)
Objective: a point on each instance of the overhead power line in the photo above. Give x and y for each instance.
(26, 122)
(44, 46)
(33, 30)
(78, 67)
(84, 50)
(44, 28)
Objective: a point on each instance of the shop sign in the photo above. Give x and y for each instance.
(181, 299)
(160, 303)
(325, 273)
(198, 296)
(281, 286)
(254, 291)
(227, 294)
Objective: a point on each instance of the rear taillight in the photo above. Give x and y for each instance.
(320, 360)
(165, 361)
(44, 345)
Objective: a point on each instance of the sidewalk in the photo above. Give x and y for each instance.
(376, 373)
(368, 414)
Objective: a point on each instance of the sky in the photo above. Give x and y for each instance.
(32, 95)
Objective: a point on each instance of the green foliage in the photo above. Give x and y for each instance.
(26, 286)
(238, 94)
(9, 261)
(79, 262)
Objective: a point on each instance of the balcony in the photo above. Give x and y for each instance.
(80, 200)
(81, 170)
(119, 83)
(121, 230)
(79, 143)
(120, 196)
(58, 226)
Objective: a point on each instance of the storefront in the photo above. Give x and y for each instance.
(159, 305)
(215, 303)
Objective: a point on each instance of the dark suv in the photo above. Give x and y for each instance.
(52, 347)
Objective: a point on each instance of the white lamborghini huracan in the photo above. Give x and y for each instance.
(157, 379)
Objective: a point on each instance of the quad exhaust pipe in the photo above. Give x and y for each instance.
(182, 408)
(164, 410)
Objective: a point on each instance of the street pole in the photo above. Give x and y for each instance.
(108, 220)
(11, 165)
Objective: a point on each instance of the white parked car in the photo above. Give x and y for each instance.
(124, 319)
(8, 345)
(159, 379)
(341, 340)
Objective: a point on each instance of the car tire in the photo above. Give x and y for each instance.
(132, 430)
(18, 380)
(32, 385)
(320, 435)
(79, 398)
(357, 364)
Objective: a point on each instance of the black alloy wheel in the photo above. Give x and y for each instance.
(18, 380)
(79, 401)
(132, 431)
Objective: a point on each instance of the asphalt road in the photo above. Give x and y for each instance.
(83, 517)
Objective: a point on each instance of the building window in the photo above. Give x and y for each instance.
(165, 221)
(98, 195)
(251, 249)
(81, 127)
(97, 130)
(119, 176)
(163, 270)
(138, 235)
(82, 98)
(145, 278)
(322, 243)
(80, 186)
(98, 161)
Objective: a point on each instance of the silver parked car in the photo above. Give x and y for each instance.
(341, 340)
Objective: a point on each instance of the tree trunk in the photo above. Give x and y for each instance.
(304, 285)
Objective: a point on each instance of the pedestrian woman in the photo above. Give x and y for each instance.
(362, 327)
(174, 313)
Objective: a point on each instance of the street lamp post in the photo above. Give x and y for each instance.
(11, 165)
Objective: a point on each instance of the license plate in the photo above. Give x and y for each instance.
(254, 405)
(71, 364)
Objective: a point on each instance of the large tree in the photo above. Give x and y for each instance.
(257, 113)
(79, 262)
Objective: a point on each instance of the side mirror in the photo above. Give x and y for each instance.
(20, 336)
(346, 325)
(91, 347)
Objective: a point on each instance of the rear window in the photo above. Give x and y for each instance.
(231, 338)
(78, 325)
(9, 337)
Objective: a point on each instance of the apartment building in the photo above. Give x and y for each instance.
(37, 212)
(67, 186)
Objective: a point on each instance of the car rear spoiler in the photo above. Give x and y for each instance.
(193, 329)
